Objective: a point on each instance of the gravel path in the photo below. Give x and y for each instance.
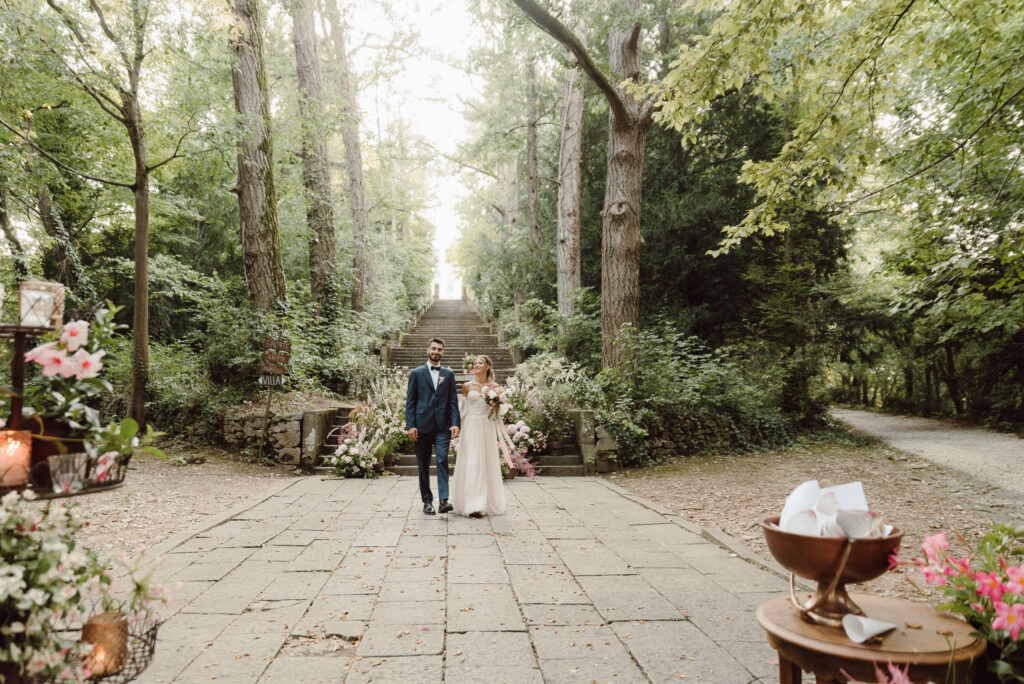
(992, 457)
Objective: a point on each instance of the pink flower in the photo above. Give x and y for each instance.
(75, 334)
(88, 365)
(935, 574)
(1010, 618)
(40, 352)
(933, 545)
(960, 566)
(1015, 583)
(895, 561)
(103, 465)
(55, 362)
(989, 584)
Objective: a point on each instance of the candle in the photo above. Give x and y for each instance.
(108, 633)
(15, 455)
(36, 308)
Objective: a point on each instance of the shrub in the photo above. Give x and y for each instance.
(673, 386)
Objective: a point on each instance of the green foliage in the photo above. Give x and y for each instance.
(675, 387)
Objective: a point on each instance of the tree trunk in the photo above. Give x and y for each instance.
(257, 199)
(952, 380)
(533, 179)
(629, 119)
(323, 267)
(354, 156)
(140, 316)
(569, 159)
(621, 241)
(17, 250)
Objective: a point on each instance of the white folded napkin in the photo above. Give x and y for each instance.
(859, 629)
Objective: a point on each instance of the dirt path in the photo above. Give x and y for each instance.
(992, 457)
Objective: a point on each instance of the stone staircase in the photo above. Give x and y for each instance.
(458, 324)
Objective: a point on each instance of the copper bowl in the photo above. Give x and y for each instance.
(831, 562)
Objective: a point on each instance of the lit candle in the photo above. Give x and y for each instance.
(108, 633)
(15, 456)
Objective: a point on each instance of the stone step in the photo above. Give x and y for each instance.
(413, 471)
(552, 471)
(547, 460)
(563, 471)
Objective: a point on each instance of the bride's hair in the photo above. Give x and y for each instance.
(487, 361)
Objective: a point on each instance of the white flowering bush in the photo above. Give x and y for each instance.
(44, 577)
(359, 448)
(526, 439)
(384, 409)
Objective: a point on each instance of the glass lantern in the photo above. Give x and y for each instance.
(41, 304)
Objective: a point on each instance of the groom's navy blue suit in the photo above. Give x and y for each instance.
(433, 412)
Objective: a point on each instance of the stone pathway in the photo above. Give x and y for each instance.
(325, 580)
(989, 456)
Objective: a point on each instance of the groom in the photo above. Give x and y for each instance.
(432, 420)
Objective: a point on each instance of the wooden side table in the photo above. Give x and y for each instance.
(825, 651)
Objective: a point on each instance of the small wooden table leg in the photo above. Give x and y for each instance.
(789, 672)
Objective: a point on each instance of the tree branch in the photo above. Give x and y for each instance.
(57, 162)
(961, 145)
(107, 31)
(559, 32)
(461, 162)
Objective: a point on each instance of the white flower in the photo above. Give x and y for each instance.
(346, 458)
(36, 596)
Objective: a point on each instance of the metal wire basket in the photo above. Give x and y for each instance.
(130, 644)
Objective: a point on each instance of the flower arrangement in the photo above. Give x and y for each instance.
(43, 577)
(467, 362)
(47, 581)
(70, 368)
(497, 399)
(358, 450)
(384, 410)
(525, 438)
(69, 381)
(987, 587)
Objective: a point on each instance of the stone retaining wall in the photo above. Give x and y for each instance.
(292, 438)
(599, 449)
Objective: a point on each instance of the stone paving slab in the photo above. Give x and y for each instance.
(327, 580)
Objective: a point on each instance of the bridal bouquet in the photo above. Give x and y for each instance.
(497, 399)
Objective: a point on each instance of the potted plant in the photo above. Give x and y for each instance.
(357, 452)
(46, 580)
(58, 406)
(986, 587)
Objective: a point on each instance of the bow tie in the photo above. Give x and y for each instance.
(434, 368)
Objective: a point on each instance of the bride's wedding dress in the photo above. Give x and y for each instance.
(477, 485)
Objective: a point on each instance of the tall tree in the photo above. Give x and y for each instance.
(323, 269)
(117, 93)
(17, 249)
(257, 199)
(532, 177)
(354, 157)
(569, 160)
(629, 119)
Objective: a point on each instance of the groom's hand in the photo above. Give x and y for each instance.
(455, 431)
(413, 433)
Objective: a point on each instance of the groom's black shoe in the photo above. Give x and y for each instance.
(445, 506)
(428, 508)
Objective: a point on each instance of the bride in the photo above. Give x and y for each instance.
(477, 488)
